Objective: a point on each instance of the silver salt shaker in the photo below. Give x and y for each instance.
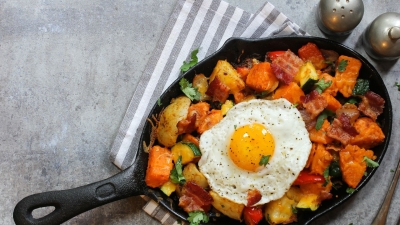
(381, 39)
(339, 17)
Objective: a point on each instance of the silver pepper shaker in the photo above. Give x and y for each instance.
(381, 39)
(339, 17)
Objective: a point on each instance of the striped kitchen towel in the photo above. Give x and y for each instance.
(194, 24)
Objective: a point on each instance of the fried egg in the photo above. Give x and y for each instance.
(251, 131)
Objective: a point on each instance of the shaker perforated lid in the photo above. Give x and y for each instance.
(381, 39)
(339, 17)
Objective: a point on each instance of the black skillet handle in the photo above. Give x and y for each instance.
(72, 202)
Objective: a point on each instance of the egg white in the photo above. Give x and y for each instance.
(292, 148)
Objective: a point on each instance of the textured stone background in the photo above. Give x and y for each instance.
(67, 72)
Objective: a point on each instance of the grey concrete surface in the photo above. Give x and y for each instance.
(67, 72)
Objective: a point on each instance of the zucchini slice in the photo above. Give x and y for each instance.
(307, 76)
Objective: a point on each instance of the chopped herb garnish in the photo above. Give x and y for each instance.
(365, 174)
(326, 176)
(370, 162)
(362, 86)
(196, 217)
(187, 65)
(322, 116)
(235, 126)
(294, 210)
(342, 65)
(176, 175)
(392, 171)
(321, 85)
(262, 94)
(350, 190)
(188, 90)
(331, 63)
(295, 105)
(352, 101)
(397, 85)
(264, 160)
(159, 102)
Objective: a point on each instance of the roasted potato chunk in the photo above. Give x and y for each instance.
(227, 207)
(191, 173)
(228, 75)
(280, 211)
(167, 131)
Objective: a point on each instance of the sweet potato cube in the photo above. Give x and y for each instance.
(310, 52)
(159, 166)
(291, 92)
(321, 159)
(369, 133)
(346, 75)
(352, 165)
(261, 78)
(319, 136)
(333, 103)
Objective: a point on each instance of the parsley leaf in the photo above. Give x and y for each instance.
(350, 190)
(187, 65)
(326, 176)
(321, 85)
(397, 85)
(361, 87)
(176, 175)
(196, 217)
(264, 160)
(370, 162)
(322, 116)
(188, 90)
(342, 65)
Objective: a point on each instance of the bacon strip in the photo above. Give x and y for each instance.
(314, 103)
(194, 198)
(253, 197)
(310, 122)
(218, 90)
(346, 125)
(286, 66)
(336, 131)
(371, 105)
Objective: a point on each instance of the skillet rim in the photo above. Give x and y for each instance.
(174, 91)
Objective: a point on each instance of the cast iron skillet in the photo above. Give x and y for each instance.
(130, 182)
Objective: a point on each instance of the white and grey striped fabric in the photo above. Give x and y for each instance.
(203, 24)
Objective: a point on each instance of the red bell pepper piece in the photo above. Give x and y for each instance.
(306, 178)
(252, 215)
(275, 54)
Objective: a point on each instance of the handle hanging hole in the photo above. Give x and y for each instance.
(42, 211)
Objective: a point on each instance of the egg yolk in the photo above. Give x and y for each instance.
(249, 144)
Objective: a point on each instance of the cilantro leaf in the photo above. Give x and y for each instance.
(361, 87)
(370, 162)
(294, 210)
(342, 65)
(159, 102)
(196, 217)
(321, 85)
(397, 85)
(189, 90)
(326, 176)
(176, 175)
(350, 190)
(264, 160)
(295, 105)
(352, 101)
(392, 171)
(322, 116)
(187, 65)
